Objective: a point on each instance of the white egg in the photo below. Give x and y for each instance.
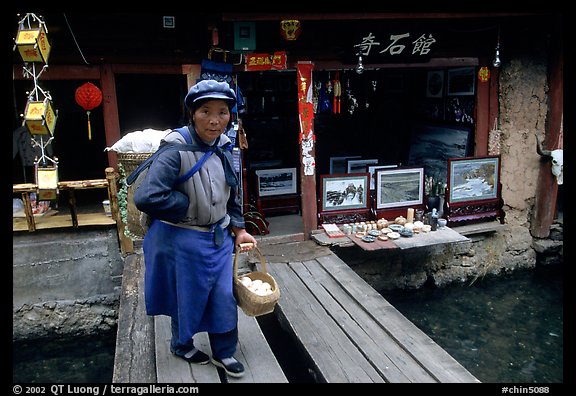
(246, 281)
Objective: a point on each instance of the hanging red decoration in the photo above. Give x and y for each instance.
(89, 96)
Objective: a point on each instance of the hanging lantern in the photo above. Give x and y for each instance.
(290, 29)
(40, 117)
(89, 96)
(32, 42)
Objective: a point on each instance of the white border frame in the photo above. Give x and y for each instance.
(359, 165)
(269, 173)
(394, 172)
(334, 160)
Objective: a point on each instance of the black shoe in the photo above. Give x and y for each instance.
(233, 368)
(198, 357)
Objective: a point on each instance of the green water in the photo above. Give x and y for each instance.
(76, 360)
(503, 330)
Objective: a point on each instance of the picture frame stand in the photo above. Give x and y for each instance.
(460, 214)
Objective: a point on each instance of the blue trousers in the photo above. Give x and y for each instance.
(223, 344)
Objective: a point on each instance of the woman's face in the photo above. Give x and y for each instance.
(211, 119)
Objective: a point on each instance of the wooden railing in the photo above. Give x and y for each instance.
(110, 183)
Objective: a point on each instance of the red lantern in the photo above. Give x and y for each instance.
(89, 96)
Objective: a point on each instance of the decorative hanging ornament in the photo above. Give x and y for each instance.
(290, 29)
(483, 74)
(89, 96)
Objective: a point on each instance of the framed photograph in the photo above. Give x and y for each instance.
(372, 171)
(338, 164)
(473, 179)
(276, 181)
(435, 84)
(399, 187)
(344, 192)
(432, 145)
(359, 165)
(461, 81)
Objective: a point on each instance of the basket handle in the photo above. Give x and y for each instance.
(260, 257)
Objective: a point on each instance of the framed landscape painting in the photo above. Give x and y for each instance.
(344, 192)
(399, 187)
(473, 179)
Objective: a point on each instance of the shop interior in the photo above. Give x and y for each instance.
(377, 115)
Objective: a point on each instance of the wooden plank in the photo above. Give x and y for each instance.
(134, 355)
(253, 351)
(63, 221)
(171, 369)
(381, 350)
(334, 358)
(432, 357)
(256, 355)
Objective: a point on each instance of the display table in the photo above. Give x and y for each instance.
(444, 235)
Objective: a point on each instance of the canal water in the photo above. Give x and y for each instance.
(506, 329)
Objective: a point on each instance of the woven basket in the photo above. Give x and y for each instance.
(130, 162)
(251, 303)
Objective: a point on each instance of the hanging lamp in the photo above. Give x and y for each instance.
(88, 96)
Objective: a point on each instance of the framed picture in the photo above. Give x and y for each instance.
(276, 181)
(338, 164)
(461, 81)
(432, 145)
(399, 187)
(344, 191)
(473, 179)
(372, 171)
(359, 165)
(435, 84)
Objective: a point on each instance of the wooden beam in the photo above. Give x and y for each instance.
(62, 72)
(322, 16)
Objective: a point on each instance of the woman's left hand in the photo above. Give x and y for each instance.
(244, 240)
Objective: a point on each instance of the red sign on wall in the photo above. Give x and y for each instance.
(275, 61)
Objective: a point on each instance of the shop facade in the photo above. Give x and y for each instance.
(377, 87)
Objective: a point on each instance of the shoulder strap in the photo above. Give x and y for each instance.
(185, 132)
(146, 163)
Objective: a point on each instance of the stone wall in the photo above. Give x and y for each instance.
(65, 282)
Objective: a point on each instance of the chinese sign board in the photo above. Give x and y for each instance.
(402, 45)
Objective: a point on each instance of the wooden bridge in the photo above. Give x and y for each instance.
(345, 331)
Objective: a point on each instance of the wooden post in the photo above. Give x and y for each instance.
(110, 112)
(73, 210)
(28, 211)
(547, 190)
(126, 244)
(307, 153)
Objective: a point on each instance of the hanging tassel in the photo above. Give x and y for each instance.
(89, 128)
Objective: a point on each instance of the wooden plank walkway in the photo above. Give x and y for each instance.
(351, 333)
(345, 330)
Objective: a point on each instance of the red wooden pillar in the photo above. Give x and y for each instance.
(307, 143)
(110, 112)
(482, 115)
(547, 190)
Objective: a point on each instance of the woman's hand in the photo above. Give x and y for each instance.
(244, 240)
